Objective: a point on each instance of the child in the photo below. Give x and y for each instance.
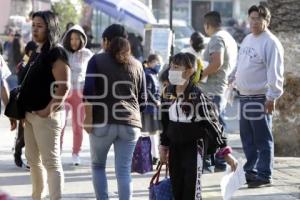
(150, 121)
(74, 42)
(190, 129)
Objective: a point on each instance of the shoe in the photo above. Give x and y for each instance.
(250, 178)
(208, 170)
(220, 169)
(76, 159)
(259, 183)
(26, 166)
(18, 160)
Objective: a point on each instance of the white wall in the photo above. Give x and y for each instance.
(4, 14)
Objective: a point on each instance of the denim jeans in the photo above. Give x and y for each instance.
(220, 102)
(12, 81)
(256, 136)
(124, 139)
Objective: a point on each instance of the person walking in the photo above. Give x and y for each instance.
(259, 80)
(74, 42)
(15, 56)
(114, 88)
(4, 89)
(221, 54)
(20, 69)
(150, 120)
(43, 93)
(191, 128)
(196, 45)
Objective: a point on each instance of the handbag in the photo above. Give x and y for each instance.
(142, 158)
(14, 108)
(160, 190)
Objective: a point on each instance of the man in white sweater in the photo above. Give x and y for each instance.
(259, 79)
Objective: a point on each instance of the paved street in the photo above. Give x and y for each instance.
(78, 183)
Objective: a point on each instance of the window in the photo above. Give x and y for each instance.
(224, 8)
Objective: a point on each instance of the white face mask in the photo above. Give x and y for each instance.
(175, 77)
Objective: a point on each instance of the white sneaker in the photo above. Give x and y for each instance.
(76, 159)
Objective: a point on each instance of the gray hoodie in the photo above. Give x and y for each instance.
(260, 66)
(78, 60)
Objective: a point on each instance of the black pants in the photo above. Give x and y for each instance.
(183, 170)
(19, 141)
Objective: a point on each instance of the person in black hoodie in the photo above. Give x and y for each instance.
(190, 129)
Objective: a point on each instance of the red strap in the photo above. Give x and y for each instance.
(155, 178)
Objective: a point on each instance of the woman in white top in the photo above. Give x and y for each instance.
(74, 42)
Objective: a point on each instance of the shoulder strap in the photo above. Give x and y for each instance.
(30, 66)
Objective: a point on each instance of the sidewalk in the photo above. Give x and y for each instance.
(78, 181)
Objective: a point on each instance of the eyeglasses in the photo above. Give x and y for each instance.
(255, 19)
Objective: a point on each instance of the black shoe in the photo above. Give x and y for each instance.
(18, 160)
(250, 177)
(220, 169)
(259, 183)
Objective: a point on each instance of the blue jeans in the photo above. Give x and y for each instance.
(12, 81)
(256, 136)
(124, 139)
(219, 101)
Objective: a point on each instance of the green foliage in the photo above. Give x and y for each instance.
(67, 12)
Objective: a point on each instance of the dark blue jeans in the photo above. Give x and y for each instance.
(219, 101)
(256, 136)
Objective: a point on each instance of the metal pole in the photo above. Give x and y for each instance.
(149, 4)
(171, 26)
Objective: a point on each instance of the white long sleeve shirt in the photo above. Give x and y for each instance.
(78, 63)
(260, 66)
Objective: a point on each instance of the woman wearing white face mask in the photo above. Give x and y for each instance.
(150, 122)
(190, 125)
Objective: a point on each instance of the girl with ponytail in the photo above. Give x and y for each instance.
(113, 91)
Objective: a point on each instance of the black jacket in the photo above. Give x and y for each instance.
(203, 125)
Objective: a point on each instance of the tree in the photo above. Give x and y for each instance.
(20, 7)
(286, 25)
(67, 11)
(285, 15)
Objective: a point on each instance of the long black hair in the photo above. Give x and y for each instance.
(187, 60)
(53, 32)
(197, 42)
(119, 46)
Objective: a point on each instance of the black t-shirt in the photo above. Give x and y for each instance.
(39, 87)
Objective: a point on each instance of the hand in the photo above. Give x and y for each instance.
(13, 124)
(269, 106)
(87, 124)
(158, 103)
(231, 161)
(22, 122)
(163, 154)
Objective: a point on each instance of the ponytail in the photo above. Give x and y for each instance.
(119, 48)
